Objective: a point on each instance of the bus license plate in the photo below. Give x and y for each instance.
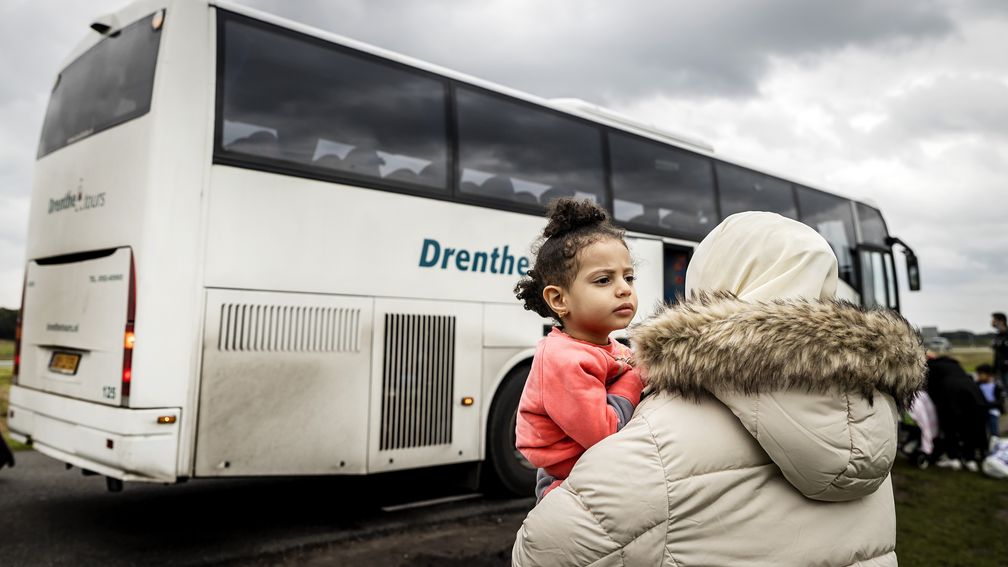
(64, 362)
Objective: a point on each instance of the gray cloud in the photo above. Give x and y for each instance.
(32, 49)
(609, 52)
(984, 8)
(953, 106)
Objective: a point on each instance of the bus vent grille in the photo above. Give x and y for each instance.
(288, 328)
(417, 381)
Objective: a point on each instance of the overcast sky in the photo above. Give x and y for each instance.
(902, 103)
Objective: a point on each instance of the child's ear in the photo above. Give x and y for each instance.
(556, 299)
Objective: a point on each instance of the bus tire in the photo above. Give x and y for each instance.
(506, 471)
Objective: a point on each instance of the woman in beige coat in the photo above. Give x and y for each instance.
(770, 426)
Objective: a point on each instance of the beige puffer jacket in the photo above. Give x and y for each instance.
(767, 439)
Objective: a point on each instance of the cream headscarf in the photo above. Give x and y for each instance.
(762, 256)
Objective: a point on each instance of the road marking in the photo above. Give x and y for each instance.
(431, 502)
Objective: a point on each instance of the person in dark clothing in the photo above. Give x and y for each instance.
(1000, 346)
(962, 411)
(6, 456)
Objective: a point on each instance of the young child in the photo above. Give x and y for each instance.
(582, 386)
(995, 398)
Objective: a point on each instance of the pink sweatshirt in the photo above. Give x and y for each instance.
(563, 409)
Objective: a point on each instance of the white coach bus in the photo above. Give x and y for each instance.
(256, 248)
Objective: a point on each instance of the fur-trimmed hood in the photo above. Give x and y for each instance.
(715, 342)
(816, 383)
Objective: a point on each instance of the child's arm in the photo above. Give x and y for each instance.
(575, 399)
(628, 385)
(624, 409)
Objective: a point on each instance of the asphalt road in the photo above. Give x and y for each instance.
(52, 516)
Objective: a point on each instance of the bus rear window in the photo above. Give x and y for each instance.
(109, 84)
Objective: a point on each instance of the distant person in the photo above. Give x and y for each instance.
(582, 386)
(6, 456)
(962, 413)
(925, 416)
(769, 430)
(1000, 346)
(995, 396)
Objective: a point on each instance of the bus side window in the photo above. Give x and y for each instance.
(497, 187)
(873, 228)
(363, 161)
(262, 143)
(517, 153)
(660, 188)
(832, 217)
(890, 275)
(742, 189)
(554, 193)
(874, 276)
(329, 109)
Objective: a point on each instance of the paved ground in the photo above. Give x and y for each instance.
(480, 541)
(51, 516)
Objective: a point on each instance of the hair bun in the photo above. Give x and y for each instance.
(568, 214)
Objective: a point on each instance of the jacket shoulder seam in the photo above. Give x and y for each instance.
(850, 448)
(597, 520)
(668, 503)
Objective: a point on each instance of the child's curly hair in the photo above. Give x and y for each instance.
(573, 225)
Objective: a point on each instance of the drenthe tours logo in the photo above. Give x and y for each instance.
(78, 202)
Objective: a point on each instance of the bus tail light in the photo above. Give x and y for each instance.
(17, 332)
(129, 338)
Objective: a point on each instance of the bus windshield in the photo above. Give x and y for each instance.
(109, 84)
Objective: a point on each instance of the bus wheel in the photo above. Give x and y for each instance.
(508, 470)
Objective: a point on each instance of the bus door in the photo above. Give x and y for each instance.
(647, 258)
(877, 278)
(676, 259)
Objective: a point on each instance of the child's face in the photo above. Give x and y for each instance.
(601, 298)
(981, 377)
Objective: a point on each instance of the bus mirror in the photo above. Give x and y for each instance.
(913, 273)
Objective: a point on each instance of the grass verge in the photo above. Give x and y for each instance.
(949, 518)
(971, 357)
(5, 381)
(6, 349)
